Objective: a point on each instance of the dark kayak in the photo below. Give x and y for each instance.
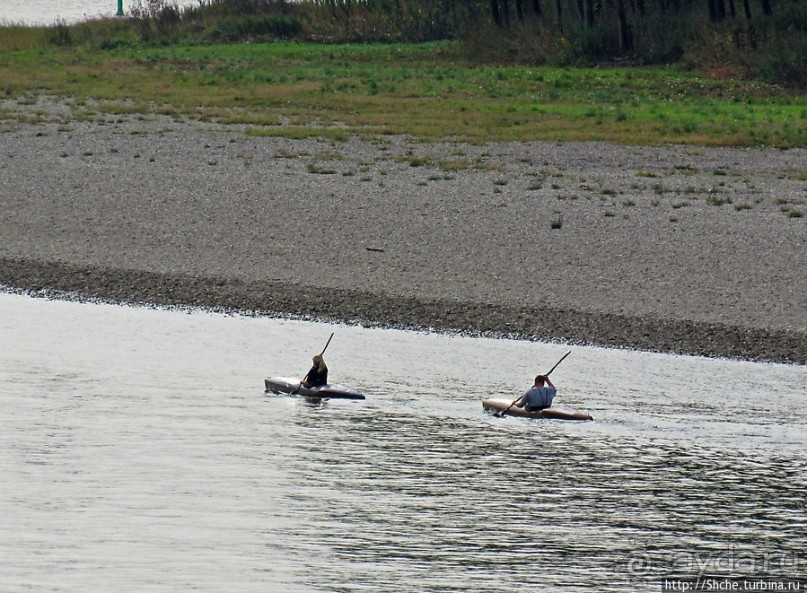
(292, 385)
(556, 413)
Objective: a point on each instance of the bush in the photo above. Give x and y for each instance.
(266, 25)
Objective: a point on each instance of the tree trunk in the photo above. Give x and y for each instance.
(494, 12)
(732, 9)
(588, 9)
(714, 15)
(625, 42)
(767, 9)
(559, 15)
(720, 6)
(578, 7)
(536, 7)
(747, 9)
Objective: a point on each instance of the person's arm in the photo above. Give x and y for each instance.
(519, 403)
(548, 381)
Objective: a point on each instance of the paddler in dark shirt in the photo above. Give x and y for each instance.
(318, 375)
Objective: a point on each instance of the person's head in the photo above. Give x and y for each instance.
(318, 361)
(539, 380)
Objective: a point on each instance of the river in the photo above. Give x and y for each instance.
(139, 452)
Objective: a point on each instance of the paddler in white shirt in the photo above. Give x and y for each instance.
(539, 396)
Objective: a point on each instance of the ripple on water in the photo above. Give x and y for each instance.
(146, 453)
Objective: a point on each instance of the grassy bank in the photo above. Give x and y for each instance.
(426, 90)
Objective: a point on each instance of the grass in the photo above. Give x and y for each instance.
(425, 90)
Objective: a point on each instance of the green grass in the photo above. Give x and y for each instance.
(424, 90)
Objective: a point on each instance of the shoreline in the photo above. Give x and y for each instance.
(676, 249)
(131, 287)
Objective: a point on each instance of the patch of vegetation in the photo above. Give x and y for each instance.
(418, 162)
(316, 169)
(308, 69)
(716, 200)
(456, 165)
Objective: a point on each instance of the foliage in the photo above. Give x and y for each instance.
(752, 38)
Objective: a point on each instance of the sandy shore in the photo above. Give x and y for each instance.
(677, 249)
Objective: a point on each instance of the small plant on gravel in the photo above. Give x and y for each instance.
(456, 165)
(418, 162)
(313, 168)
(795, 214)
(556, 222)
(715, 200)
(743, 206)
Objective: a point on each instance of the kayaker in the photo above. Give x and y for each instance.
(539, 396)
(318, 375)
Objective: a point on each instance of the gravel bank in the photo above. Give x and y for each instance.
(677, 249)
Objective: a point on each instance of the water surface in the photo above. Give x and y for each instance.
(139, 453)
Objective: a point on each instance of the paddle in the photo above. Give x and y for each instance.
(503, 412)
(296, 389)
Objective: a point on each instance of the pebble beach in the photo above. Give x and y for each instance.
(679, 249)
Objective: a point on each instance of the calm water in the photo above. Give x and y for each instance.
(47, 12)
(138, 452)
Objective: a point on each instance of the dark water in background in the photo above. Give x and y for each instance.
(138, 452)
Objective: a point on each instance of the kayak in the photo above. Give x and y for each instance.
(292, 386)
(559, 413)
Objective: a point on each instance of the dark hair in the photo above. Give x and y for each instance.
(539, 379)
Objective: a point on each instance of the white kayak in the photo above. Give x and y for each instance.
(292, 386)
(556, 413)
